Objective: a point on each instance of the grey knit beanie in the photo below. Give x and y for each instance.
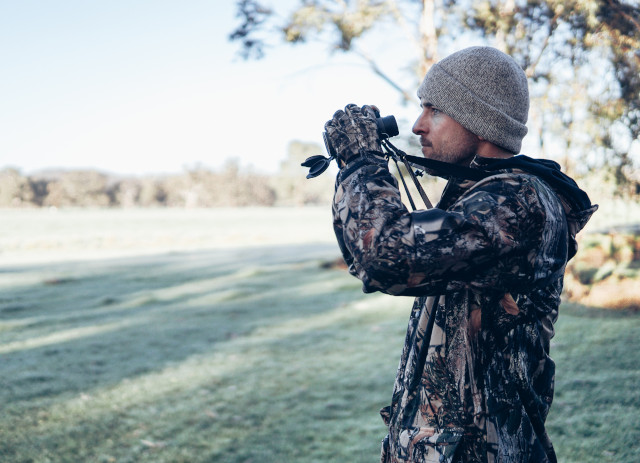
(485, 91)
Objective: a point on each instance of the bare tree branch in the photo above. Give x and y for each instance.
(406, 96)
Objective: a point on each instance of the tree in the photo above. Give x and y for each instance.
(291, 186)
(582, 58)
(15, 190)
(78, 189)
(232, 187)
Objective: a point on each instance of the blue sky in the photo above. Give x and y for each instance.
(139, 87)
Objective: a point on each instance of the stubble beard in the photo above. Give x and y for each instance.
(460, 152)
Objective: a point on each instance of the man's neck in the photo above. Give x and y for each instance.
(489, 150)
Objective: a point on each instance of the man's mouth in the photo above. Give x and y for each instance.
(425, 143)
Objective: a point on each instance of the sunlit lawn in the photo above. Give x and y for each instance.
(214, 352)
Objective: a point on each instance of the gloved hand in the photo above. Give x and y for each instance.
(353, 132)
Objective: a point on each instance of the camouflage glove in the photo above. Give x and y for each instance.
(353, 132)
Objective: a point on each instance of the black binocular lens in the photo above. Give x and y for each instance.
(387, 126)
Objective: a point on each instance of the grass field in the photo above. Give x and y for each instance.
(221, 336)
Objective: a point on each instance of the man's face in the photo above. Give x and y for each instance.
(443, 139)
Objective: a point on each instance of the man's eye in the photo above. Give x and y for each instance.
(435, 110)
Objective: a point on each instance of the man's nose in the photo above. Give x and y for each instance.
(421, 125)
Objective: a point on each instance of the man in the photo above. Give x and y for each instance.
(486, 266)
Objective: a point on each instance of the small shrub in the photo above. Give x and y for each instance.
(606, 271)
(584, 274)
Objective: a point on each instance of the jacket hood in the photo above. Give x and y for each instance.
(576, 203)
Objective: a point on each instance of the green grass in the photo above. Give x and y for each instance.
(596, 411)
(250, 354)
(225, 356)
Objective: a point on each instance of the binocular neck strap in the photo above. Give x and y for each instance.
(448, 170)
(395, 154)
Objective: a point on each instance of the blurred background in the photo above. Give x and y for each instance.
(171, 289)
(129, 99)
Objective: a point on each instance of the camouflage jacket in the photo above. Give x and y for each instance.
(475, 379)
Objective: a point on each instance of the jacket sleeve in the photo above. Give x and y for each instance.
(484, 240)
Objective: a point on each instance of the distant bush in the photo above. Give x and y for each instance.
(16, 190)
(606, 270)
(290, 183)
(78, 188)
(229, 188)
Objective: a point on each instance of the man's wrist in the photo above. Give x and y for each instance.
(366, 158)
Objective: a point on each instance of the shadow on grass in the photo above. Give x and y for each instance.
(220, 356)
(78, 326)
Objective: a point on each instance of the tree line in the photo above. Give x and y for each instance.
(230, 186)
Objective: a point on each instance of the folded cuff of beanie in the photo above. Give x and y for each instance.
(446, 93)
